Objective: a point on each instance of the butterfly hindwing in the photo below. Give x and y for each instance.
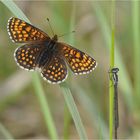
(26, 56)
(55, 72)
(22, 32)
(78, 61)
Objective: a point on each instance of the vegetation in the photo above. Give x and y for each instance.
(78, 108)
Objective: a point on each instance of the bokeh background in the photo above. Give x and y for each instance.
(20, 112)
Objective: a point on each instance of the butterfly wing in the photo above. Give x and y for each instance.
(78, 61)
(26, 56)
(56, 71)
(23, 32)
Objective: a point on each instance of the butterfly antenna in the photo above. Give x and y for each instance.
(66, 33)
(50, 26)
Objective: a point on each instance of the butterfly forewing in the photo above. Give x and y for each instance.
(55, 71)
(78, 61)
(22, 32)
(26, 56)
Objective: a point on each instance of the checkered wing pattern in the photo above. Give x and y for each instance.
(46, 54)
(55, 72)
(26, 56)
(22, 32)
(78, 61)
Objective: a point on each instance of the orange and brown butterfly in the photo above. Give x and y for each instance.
(40, 52)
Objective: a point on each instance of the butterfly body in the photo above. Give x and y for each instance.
(46, 54)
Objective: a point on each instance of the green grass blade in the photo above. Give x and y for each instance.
(14, 9)
(93, 110)
(124, 80)
(73, 110)
(37, 85)
(136, 38)
(44, 106)
(5, 132)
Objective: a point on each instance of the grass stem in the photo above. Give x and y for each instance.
(111, 89)
(73, 110)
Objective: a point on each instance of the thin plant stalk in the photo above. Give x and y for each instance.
(124, 79)
(73, 110)
(90, 107)
(44, 106)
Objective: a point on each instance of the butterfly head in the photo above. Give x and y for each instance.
(55, 38)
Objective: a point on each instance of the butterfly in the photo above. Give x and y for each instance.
(40, 52)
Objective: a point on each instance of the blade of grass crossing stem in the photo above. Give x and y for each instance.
(37, 85)
(5, 133)
(111, 89)
(74, 112)
(136, 36)
(67, 115)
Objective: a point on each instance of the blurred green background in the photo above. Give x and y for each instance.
(20, 113)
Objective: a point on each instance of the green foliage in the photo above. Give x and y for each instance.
(111, 37)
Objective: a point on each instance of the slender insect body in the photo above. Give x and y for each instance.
(114, 78)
